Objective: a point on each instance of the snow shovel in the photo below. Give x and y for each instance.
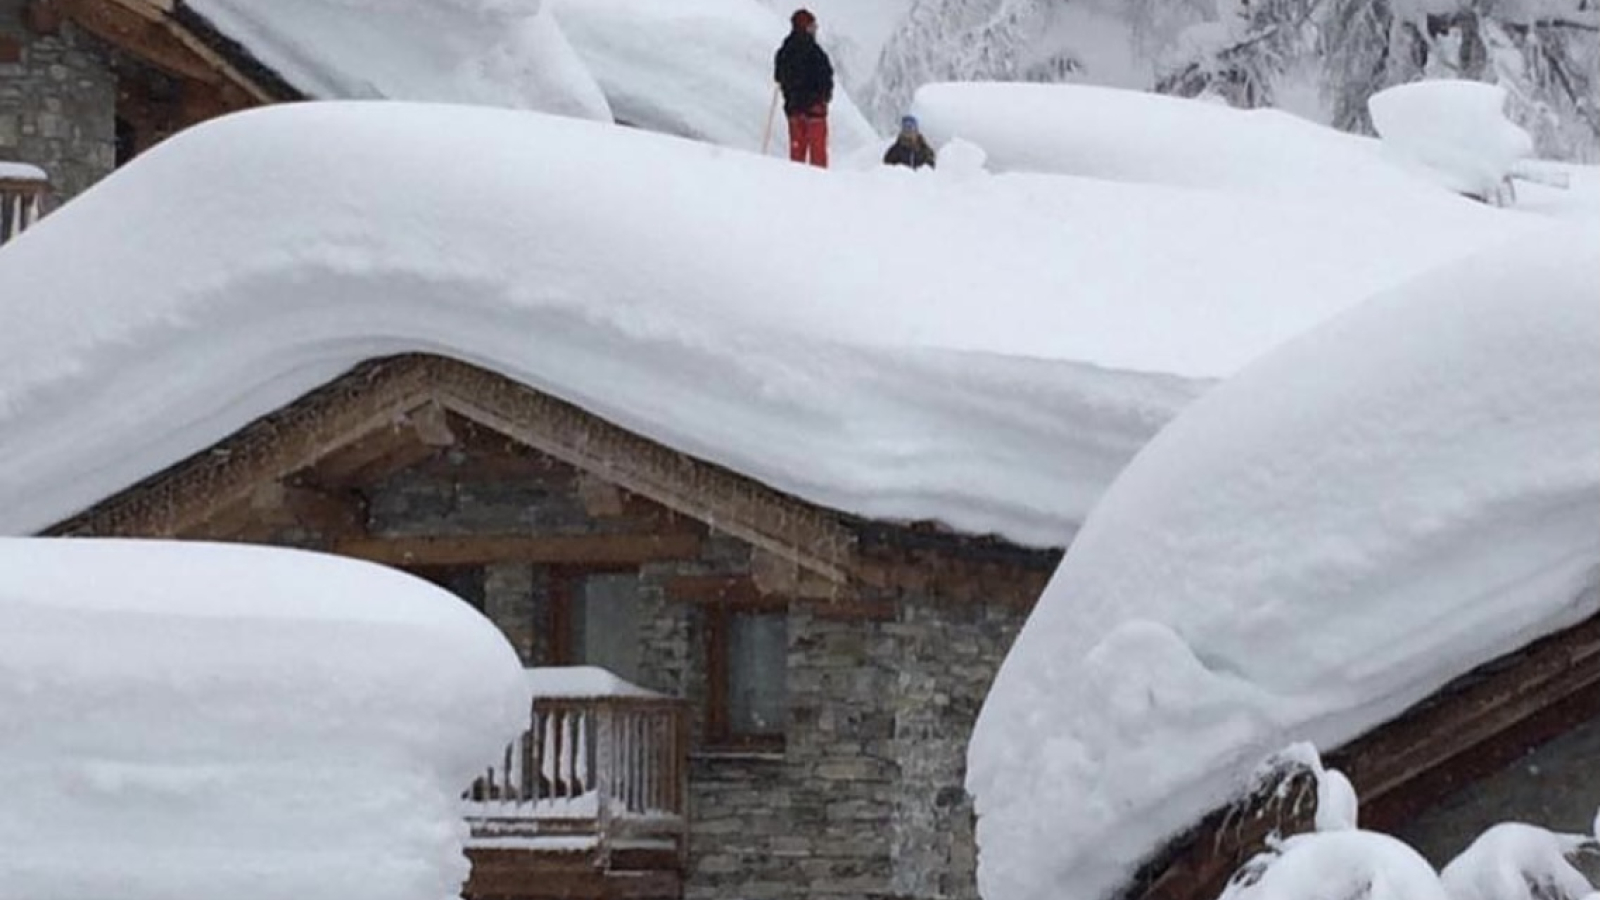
(772, 110)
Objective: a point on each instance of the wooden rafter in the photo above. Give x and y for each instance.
(380, 397)
(126, 28)
(147, 30)
(1468, 730)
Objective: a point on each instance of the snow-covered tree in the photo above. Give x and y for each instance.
(1546, 53)
(957, 40)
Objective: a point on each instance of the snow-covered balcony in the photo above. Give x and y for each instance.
(596, 787)
(22, 193)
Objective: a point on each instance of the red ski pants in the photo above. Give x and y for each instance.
(808, 139)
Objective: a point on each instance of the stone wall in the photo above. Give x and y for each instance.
(1556, 786)
(865, 797)
(57, 103)
(947, 654)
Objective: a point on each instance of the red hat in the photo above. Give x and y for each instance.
(802, 18)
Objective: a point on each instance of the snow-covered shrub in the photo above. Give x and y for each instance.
(1511, 861)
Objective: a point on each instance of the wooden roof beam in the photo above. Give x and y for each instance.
(574, 550)
(147, 30)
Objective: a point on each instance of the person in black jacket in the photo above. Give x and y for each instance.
(911, 148)
(805, 75)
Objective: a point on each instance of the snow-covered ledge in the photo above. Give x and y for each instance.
(581, 682)
(600, 756)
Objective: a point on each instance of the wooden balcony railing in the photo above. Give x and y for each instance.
(589, 774)
(21, 204)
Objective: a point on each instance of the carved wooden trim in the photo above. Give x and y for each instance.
(401, 392)
(556, 549)
(182, 498)
(808, 535)
(149, 32)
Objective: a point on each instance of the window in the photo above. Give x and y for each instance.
(603, 628)
(593, 620)
(747, 674)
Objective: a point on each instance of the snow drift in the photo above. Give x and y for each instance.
(1125, 135)
(988, 352)
(456, 51)
(1316, 544)
(193, 720)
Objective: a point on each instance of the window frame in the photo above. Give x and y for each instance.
(561, 594)
(719, 733)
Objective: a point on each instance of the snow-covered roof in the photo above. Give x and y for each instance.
(694, 68)
(700, 69)
(1319, 542)
(987, 351)
(182, 719)
(454, 51)
(1134, 136)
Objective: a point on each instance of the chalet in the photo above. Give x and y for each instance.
(819, 673)
(809, 677)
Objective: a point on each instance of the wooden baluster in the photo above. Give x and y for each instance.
(633, 763)
(569, 752)
(624, 757)
(547, 771)
(563, 749)
(653, 766)
(639, 763)
(586, 764)
(606, 736)
(525, 758)
(507, 786)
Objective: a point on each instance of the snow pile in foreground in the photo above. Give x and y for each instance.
(1457, 129)
(696, 68)
(1314, 545)
(500, 54)
(192, 720)
(986, 351)
(1125, 135)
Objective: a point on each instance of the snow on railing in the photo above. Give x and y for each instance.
(588, 764)
(22, 193)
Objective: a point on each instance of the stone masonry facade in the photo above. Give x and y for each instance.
(1553, 786)
(57, 103)
(865, 798)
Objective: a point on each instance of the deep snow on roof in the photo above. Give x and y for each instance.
(191, 719)
(988, 351)
(456, 51)
(1319, 542)
(700, 69)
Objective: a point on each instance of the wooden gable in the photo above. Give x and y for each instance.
(304, 466)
